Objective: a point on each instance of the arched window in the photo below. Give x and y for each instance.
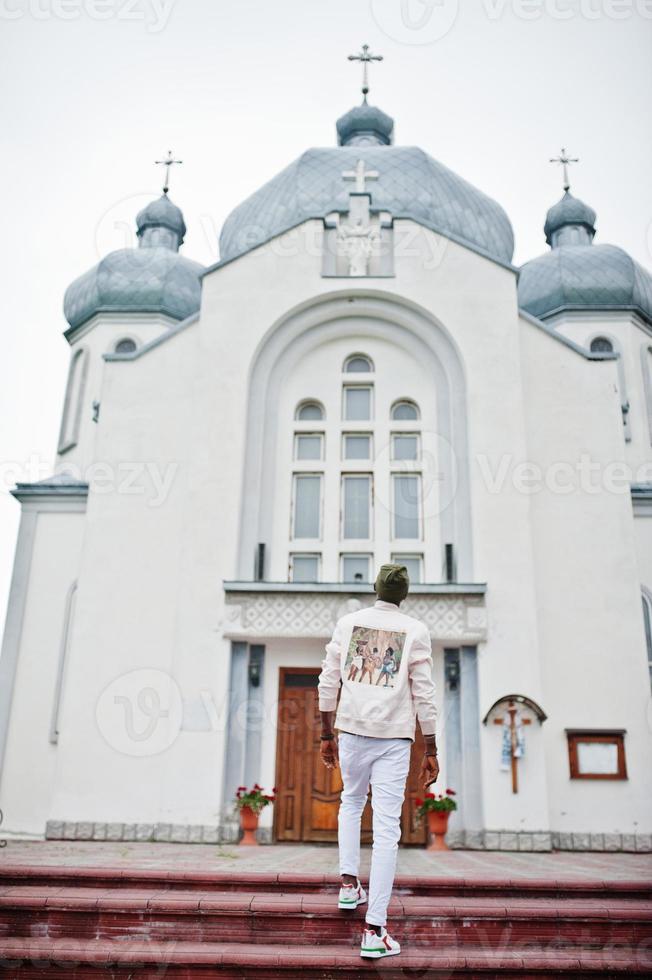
(647, 625)
(601, 345)
(74, 399)
(125, 346)
(358, 364)
(309, 412)
(405, 411)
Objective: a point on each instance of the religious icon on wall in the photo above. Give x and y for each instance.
(374, 656)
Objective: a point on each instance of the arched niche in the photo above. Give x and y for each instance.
(367, 315)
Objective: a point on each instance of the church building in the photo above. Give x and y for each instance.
(364, 376)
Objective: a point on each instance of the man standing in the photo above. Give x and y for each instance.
(376, 726)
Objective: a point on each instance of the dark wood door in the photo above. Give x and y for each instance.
(308, 794)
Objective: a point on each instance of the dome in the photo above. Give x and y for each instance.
(364, 124)
(567, 212)
(411, 184)
(162, 214)
(152, 278)
(584, 277)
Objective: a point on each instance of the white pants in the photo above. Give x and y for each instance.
(383, 762)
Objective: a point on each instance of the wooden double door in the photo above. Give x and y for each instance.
(308, 794)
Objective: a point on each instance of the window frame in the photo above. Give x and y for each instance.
(314, 475)
(370, 504)
(308, 459)
(394, 476)
(605, 736)
(405, 401)
(353, 357)
(303, 554)
(358, 386)
(357, 435)
(400, 557)
(401, 435)
(306, 403)
(354, 554)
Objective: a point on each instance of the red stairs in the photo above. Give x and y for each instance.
(85, 923)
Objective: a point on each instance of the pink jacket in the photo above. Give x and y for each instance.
(382, 659)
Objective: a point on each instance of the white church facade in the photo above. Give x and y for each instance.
(364, 376)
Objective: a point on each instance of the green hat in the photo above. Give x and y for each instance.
(392, 583)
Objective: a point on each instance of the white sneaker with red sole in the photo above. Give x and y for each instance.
(374, 946)
(351, 896)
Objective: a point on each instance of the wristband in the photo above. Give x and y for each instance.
(326, 738)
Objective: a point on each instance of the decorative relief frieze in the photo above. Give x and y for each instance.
(453, 617)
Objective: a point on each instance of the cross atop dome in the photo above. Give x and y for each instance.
(365, 57)
(564, 160)
(167, 163)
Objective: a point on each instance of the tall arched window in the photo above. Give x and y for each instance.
(358, 364)
(309, 412)
(601, 344)
(405, 411)
(72, 408)
(647, 624)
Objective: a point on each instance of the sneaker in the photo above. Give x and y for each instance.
(351, 896)
(374, 946)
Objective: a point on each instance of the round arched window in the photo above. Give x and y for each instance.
(358, 364)
(125, 346)
(309, 412)
(405, 411)
(600, 344)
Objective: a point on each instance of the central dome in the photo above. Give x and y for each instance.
(411, 184)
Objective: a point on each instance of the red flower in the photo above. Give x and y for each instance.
(274, 790)
(256, 786)
(418, 802)
(241, 787)
(430, 796)
(451, 792)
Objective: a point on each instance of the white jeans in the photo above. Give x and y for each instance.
(383, 762)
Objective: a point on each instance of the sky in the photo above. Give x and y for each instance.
(94, 91)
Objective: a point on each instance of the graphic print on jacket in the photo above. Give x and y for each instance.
(374, 656)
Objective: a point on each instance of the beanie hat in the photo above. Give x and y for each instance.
(392, 583)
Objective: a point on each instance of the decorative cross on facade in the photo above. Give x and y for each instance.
(359, 175)
(365, 57)
(167, 163)
(564, 160)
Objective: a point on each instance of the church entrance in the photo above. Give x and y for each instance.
(307, 797)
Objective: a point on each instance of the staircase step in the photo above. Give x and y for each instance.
(233, 880)
(251, 917)
(36, 958)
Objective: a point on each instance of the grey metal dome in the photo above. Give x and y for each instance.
(569, 211)
(411, 184)
(152, 278)
(162, 214)
(364, 124)
(585, 277)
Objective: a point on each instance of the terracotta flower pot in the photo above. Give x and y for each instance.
(437, 827)
(249, 824)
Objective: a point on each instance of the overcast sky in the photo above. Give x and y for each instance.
(95, 90)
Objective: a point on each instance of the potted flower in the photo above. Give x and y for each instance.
(250, 802)
(436, 809)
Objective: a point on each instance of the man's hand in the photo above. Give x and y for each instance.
(429, 770)
(328, 752)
